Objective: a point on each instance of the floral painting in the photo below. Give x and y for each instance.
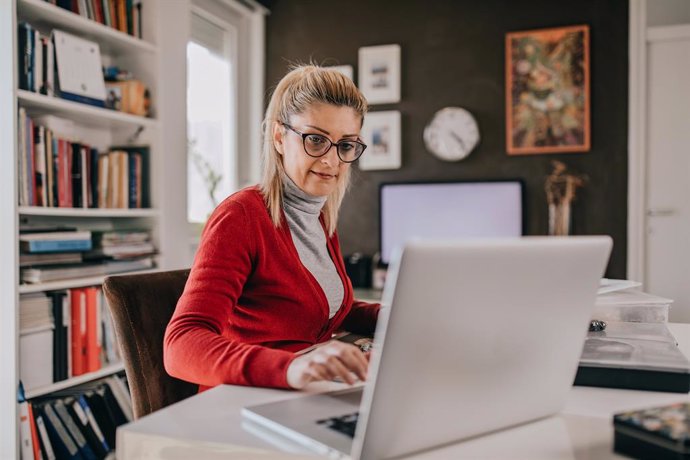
(547, 91)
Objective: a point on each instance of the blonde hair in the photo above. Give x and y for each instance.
(302, 87)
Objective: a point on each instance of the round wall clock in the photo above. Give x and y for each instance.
(451, 134)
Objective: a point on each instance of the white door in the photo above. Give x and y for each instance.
(668, 173)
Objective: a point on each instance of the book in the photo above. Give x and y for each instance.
(49, 258)
(25, 437)
(34, 275)
(655, 433)
(35, 311)
(55, 242)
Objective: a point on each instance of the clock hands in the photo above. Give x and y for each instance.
(459, 139)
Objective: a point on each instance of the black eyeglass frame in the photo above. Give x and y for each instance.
(337, 144)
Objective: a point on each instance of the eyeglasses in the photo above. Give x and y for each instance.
(316, 145)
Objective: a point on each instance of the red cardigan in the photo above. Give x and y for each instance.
(249, 303)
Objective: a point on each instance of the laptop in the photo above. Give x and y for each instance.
(479, 335)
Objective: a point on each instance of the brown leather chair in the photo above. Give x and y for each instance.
(142, 306)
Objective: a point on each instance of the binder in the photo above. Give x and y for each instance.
(78, 335)
(84, 449)
(61, 336)
(35, 442)
(81, 414)
(122, 396)
(93, 326)
(25, 436)
(64, 446)
(26, 53)
(46, 447)
(103, 417)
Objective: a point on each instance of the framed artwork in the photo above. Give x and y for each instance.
(379, 73)
(345, 70)
(547, 91)
(381, 133)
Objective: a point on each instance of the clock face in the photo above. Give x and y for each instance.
(451, 134)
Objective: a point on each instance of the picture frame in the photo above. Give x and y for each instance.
(548, 91)
(381, 133)
(379, 73)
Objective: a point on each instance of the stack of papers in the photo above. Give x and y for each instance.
(621, 300)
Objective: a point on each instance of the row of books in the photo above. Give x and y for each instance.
(69, 331)
(36, 60)
(76, 424)
(58, 253)
(56, 172)
(44, 274)
(122, 15)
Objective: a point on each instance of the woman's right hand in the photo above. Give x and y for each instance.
(333, 359)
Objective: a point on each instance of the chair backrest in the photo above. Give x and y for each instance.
(142, 306)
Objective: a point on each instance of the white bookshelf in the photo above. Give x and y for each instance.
(73, 282)
(87, 212)
(86, 115)
(95, 126)
(110, 40)
(74, 381)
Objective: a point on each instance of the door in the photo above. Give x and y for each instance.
(668, 173)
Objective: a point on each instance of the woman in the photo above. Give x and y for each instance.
(268, 282)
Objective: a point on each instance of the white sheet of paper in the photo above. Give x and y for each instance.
(79, 65)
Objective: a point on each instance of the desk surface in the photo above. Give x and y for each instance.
(210, 426)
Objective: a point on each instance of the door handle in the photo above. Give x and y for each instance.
(661, 212)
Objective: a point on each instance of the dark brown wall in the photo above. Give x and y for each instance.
(453, 55)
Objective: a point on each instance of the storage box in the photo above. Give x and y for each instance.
(633, 306)
(36, 357)
(657, 433)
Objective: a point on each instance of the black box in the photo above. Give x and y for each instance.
(658, 433)
(358, 268)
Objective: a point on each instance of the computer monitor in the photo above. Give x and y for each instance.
(487, 208)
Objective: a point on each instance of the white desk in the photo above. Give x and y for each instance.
(210, 426)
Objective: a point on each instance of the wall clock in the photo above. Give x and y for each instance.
(451, 134)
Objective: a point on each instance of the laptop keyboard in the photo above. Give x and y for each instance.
(344, 424)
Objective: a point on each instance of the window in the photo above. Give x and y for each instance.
(211, 114)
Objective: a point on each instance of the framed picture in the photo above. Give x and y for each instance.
(547, 91)
(379, 73)
(381, 133)
(345, 70)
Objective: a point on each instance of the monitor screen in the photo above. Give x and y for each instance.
(448, 210)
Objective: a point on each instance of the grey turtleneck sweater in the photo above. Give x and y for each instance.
(302, 212)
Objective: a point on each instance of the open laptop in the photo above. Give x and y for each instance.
(480, 335)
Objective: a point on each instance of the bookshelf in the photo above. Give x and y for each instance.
(98, 127)
(70, 283)
(74, 212)
(83, 114)
(74, 381)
